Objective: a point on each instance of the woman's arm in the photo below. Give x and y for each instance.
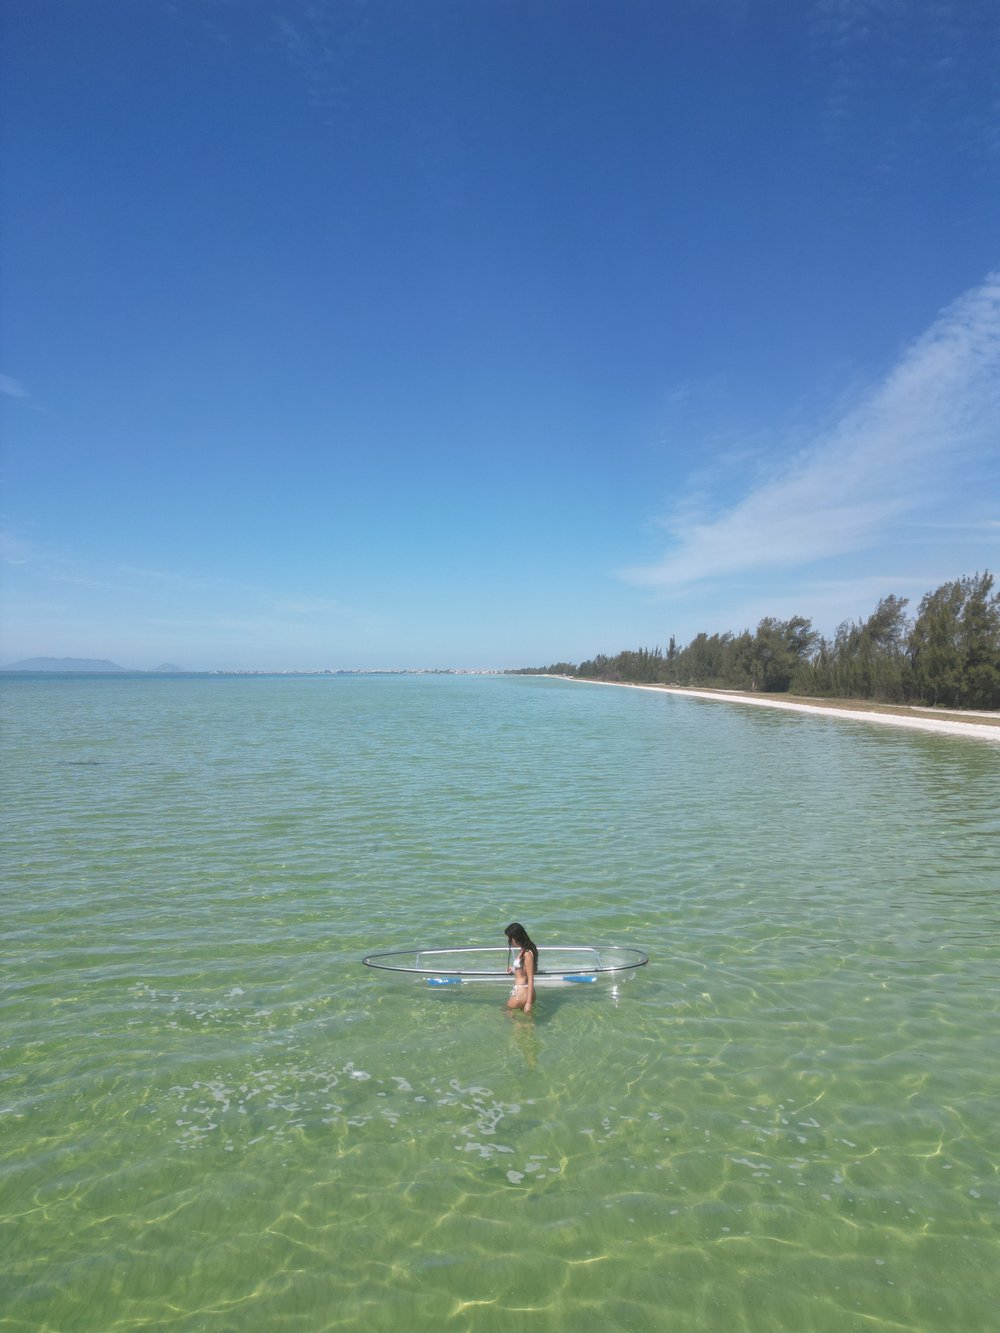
(529, 976)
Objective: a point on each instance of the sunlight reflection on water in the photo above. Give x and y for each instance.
(214, 1118)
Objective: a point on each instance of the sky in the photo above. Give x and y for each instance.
(360, 334)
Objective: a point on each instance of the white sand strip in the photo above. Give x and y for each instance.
(981, 731)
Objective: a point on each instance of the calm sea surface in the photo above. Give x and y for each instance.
(213, 1118)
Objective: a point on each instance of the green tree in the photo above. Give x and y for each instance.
(979, 642)
(949, 655)
(778, 648)
(703, 661)
(882, 668)
(935, 653)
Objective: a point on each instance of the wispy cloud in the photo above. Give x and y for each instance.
(122, 586)
(884, 462)
(936, 53)
(322, 42)
(12, 388)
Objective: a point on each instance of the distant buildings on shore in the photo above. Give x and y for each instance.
(102, 667)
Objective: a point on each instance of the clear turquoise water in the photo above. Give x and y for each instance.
(213, 1118)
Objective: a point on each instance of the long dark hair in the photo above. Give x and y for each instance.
(516, 934)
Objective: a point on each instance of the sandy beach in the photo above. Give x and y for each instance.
(975, 726)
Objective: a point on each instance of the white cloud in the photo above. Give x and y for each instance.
(889, 459)
(12, 388)
(940, 54)
(14, 550)
(135, 613)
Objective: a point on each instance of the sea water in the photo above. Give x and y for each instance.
(212, 1117)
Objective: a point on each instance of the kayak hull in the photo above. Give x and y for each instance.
(558, 965)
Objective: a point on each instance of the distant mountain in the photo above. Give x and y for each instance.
(64, 664)
(167, 669)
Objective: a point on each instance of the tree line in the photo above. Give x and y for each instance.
(947, 655)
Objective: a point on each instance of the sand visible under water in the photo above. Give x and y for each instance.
(977, 726)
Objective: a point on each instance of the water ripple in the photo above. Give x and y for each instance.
(214, 1119)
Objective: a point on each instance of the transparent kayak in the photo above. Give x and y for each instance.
(558, 965)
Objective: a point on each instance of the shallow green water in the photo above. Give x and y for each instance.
(213, 1118)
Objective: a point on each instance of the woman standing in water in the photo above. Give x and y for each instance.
(525, 964)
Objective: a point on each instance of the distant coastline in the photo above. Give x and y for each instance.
(96, 666)
(102, 667)
(977, 726)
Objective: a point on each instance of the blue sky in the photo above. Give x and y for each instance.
(486, 333)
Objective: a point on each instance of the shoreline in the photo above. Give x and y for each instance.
(892, 715)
